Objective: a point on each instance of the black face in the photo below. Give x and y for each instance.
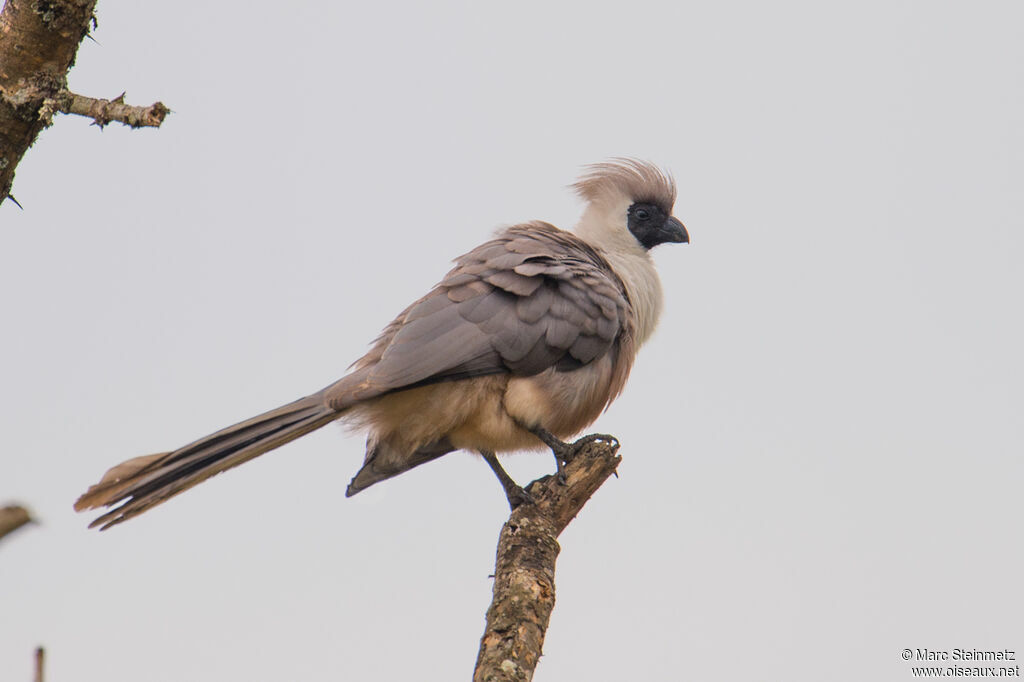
(652, 225)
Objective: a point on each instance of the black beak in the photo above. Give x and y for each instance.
(674, 231)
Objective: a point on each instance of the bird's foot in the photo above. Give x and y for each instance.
(579, 443)
(514, 493)
(517, 497)
(566, 452)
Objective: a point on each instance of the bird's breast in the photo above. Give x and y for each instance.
(643, 289)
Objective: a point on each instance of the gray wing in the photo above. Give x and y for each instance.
(533, 298)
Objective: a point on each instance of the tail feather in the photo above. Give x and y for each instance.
(144, 482)
(384, 461)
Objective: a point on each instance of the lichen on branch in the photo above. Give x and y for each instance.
(39, 40)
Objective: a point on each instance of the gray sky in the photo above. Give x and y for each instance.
(821, 445)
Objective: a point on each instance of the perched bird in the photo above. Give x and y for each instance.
(523, 344)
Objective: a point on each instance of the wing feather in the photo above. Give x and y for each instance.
(533, 298)
(532, 308)
(514, 283)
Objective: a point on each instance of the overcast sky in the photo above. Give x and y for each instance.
(822, 444)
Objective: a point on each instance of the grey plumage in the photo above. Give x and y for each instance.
(499, 320)
(535, 329)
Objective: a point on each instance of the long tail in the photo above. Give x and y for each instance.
(144, 482)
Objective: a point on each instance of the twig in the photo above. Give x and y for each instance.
(103, 111)
(40, 661)
(12, 518)
(524, 576)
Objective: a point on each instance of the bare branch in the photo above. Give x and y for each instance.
(40, 664)
(103, 111)
(38, 44)
(524, 575)
(12, 518)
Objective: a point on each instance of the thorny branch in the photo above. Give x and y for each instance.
(39, 40)
(103, 111)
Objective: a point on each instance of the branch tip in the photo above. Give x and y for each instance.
(13, 517)
(104, 111)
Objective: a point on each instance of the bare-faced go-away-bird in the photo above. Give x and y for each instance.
(522, 345)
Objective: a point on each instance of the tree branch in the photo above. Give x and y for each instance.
(103, 111)
(38, 43)
(12, 518)
(524, 575)
(40, 664)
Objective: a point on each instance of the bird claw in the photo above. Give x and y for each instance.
(566, 452)
(517, 497)
(560, 475)
(576, 447)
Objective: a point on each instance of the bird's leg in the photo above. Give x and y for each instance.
(562, 451)
(565, 452)
(513, 492)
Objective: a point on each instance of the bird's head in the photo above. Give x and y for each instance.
(629, 206)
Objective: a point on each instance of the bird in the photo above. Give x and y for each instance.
(522, 345)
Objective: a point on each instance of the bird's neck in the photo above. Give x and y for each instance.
(630, 260)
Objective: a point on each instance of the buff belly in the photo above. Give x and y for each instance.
(485, 413)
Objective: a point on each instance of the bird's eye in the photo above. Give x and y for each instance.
(642, 214)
